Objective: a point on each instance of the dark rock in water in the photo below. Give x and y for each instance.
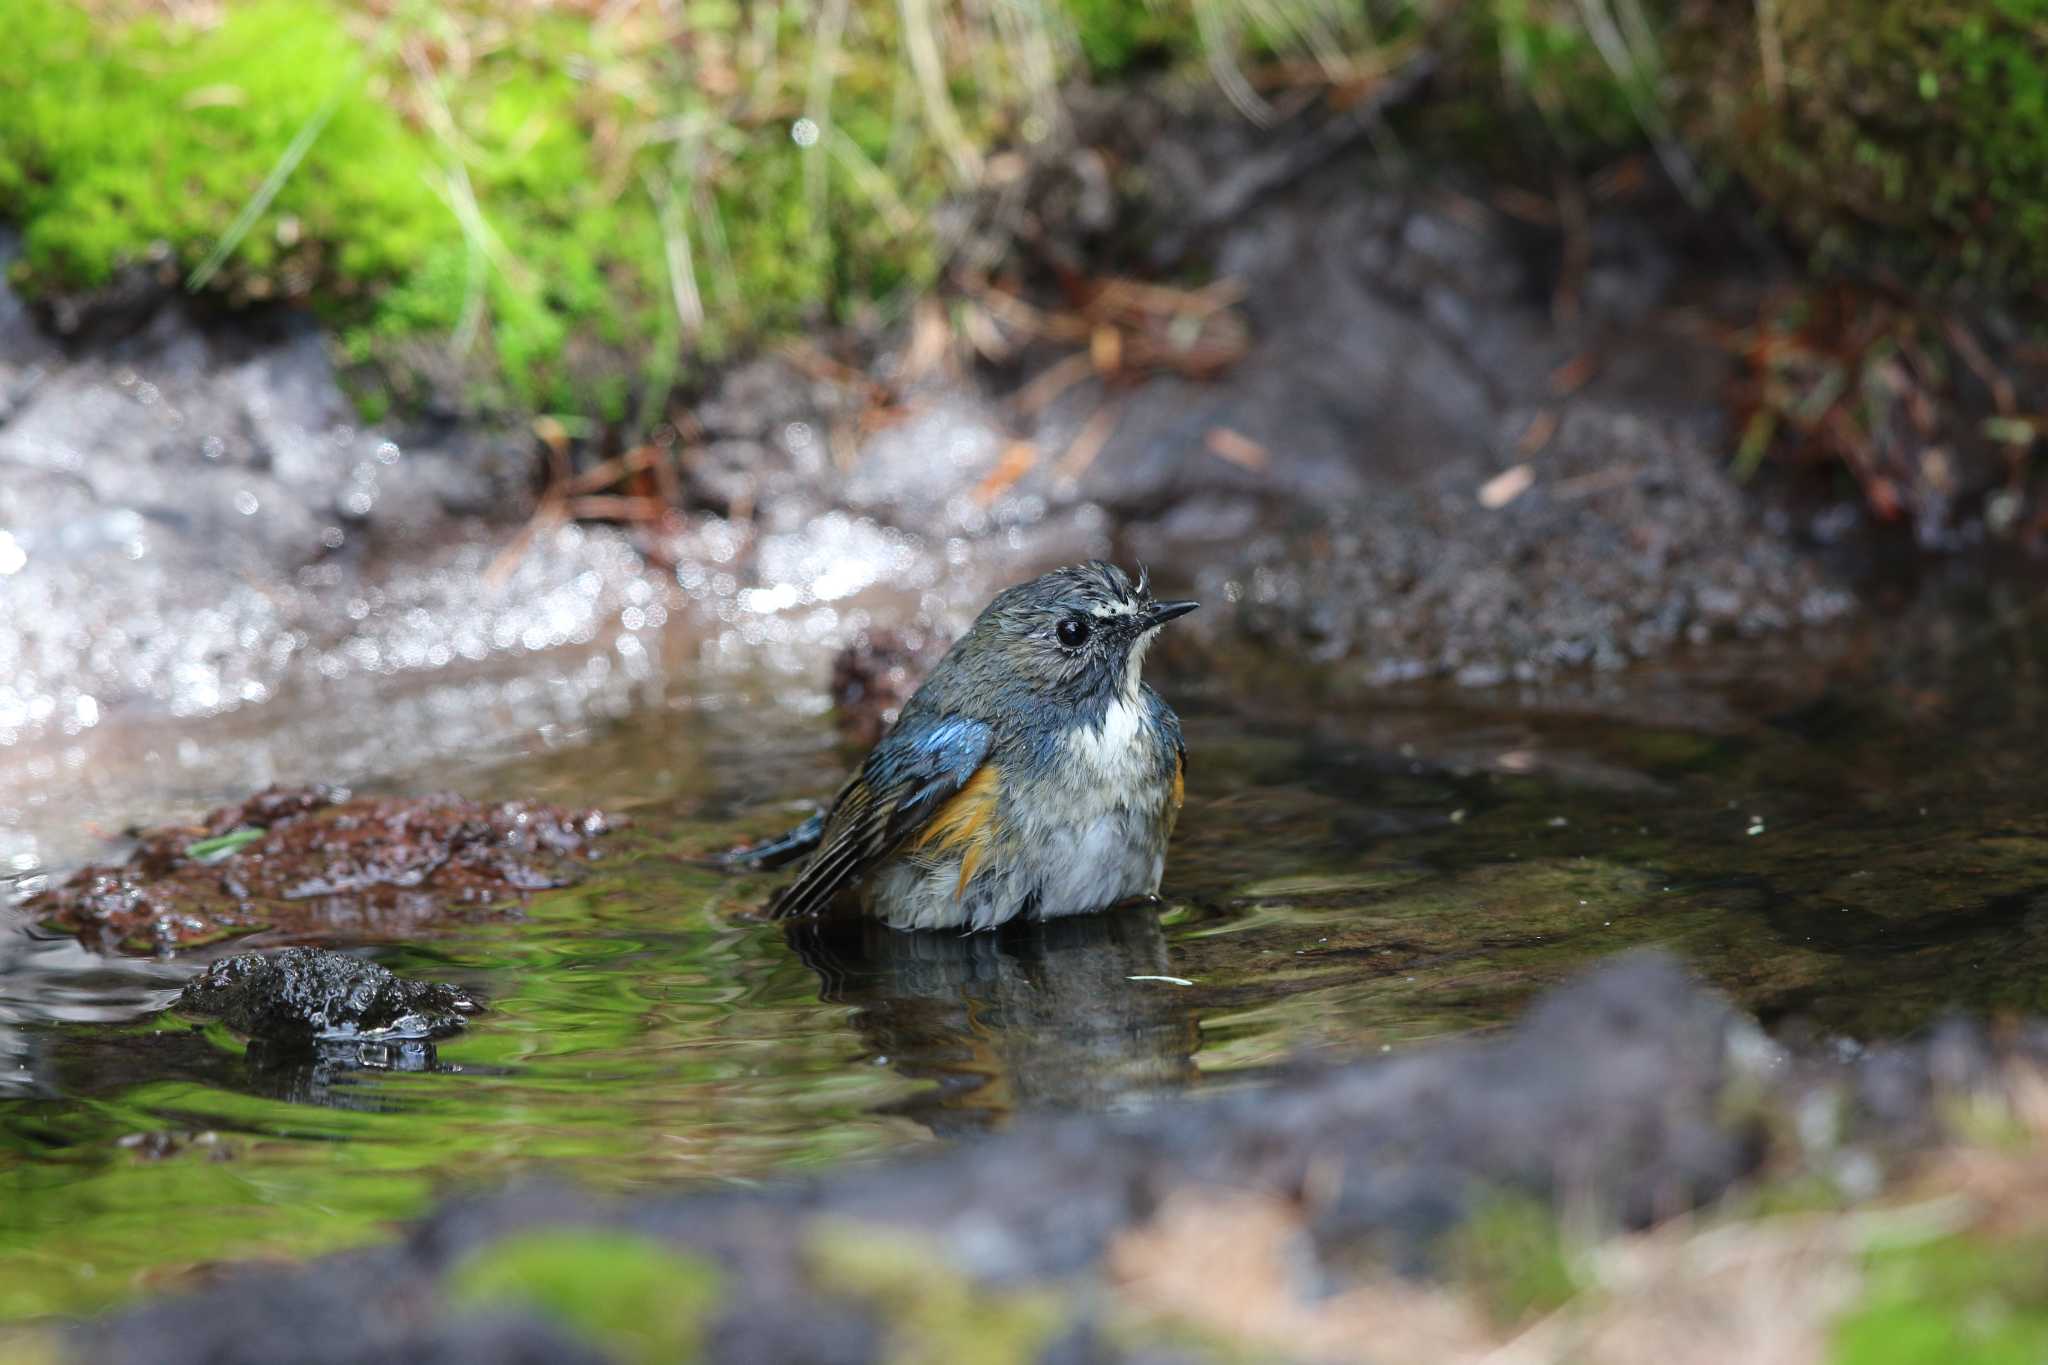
(304, 995)
(313, 861)
(1627, 1096)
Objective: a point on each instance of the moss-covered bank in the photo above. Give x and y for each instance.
(557, 206)
(562, 206)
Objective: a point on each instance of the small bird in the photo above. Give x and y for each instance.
(1032, 775)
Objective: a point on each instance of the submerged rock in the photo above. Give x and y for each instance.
(313, 860)
(306, 995)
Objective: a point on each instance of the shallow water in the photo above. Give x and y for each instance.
(1846, 832)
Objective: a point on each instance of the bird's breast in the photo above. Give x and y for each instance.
(1115, 761)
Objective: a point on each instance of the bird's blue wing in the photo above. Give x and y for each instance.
(908, 778)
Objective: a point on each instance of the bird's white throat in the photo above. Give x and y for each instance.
(1113, 751)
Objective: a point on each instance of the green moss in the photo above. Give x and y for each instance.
(640, 1299)
(931, 1312)
(513, 222)
(1511, 1253)
(114, 142)
(1890, 132)
(521, 212)
(1549, 62)
(1116, 35)
(1954, 1300)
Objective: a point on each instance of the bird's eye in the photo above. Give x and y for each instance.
(1073, 632)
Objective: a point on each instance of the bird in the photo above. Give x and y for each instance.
(1033, 774)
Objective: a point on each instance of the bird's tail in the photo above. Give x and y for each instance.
(777, 852)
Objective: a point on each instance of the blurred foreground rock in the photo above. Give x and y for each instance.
(1307, 1217)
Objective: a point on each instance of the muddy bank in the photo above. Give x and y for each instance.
(1626, 1097)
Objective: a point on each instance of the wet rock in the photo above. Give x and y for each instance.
(1411, 344)
(339, 1322)
(25, 353)
(234, 442)
(1627, 1096)
(314, 861)
(306, 995)
(193, 516)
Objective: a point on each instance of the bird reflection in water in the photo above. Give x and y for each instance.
(1036, 1015)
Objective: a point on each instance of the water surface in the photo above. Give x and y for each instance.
(1846, 832)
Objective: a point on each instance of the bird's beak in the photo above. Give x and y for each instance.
(1162, 612)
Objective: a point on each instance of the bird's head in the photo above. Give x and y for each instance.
(1077, 634)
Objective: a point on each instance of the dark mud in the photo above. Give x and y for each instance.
(315, 862)
(308, 995)
(1628, 542)
(1624, 1097)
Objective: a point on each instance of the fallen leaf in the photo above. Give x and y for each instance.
(1504, 487)
(1237, 448)
(1016, 461)
(1538, 433)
